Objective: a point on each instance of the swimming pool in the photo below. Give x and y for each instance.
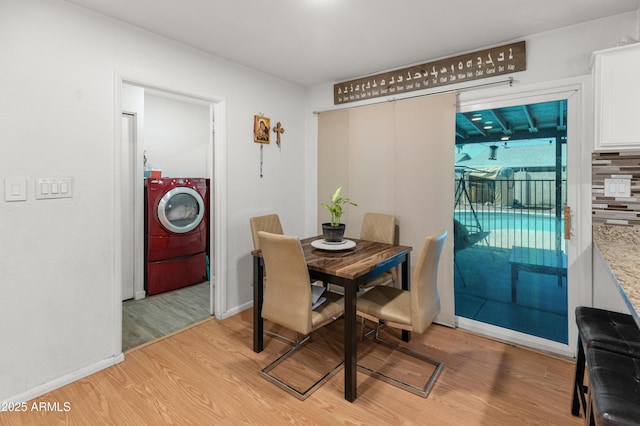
(511, 220)
(506, 229)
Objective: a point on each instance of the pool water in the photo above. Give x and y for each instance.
(483, 275)
(516, 220)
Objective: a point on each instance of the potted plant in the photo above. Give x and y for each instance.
(334, 230)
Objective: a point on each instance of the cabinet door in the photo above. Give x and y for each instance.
(617, 98)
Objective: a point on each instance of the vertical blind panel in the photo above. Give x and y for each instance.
(395, 158)
(425, 156)
(333, 158)
(372, 166)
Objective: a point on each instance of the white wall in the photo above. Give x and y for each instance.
(176, 136)
(60, 63)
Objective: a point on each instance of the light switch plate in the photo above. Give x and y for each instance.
(49, 188)
(617, 188)
(15, 189)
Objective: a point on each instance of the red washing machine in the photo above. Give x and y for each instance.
(176, 229)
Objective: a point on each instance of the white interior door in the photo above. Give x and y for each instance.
(128, 198)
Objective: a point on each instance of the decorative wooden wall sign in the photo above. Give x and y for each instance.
(486, 63)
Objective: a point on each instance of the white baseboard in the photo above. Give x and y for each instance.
(63, 380)
(234, 311)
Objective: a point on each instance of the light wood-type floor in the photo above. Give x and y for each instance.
(209, 374)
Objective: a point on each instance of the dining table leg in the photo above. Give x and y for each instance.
(350, 344)
(406, 285)
(258, 323)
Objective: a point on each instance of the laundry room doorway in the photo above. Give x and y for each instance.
(169, 138)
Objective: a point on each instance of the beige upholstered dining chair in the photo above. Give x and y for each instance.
(268, 223)
(287, 301)
(411, 310)
(382, 229)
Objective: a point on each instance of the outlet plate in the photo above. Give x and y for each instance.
(15, 189)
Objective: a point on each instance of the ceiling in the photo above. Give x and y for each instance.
(522, 122)
(313, 42)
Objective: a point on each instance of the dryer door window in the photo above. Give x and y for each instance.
(181, 210)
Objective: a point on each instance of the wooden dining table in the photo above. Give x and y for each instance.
(346, 268)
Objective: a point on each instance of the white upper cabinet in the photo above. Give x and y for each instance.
(617, 98)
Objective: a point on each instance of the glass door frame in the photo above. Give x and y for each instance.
(578, 198)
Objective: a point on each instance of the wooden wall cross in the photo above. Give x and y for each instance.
(278, 130)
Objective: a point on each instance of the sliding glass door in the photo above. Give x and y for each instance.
(510, 254)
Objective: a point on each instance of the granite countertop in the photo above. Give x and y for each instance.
(620, 247)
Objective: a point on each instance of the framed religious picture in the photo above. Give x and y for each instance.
(261, 129)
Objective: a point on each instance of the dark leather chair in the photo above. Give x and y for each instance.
(605, 330)
(614, 389)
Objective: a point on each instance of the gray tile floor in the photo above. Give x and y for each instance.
(156, 316)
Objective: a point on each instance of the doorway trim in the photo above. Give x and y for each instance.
(129, 148)
(216, 170)
(577, 93)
